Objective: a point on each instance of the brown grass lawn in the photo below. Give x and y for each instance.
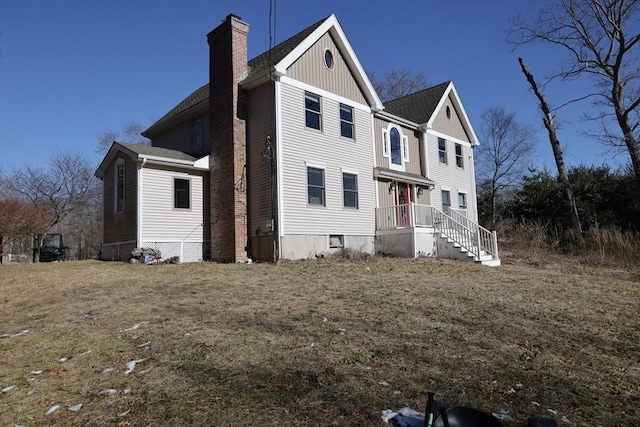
(316, 343)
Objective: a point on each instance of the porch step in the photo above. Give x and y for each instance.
(483, 258)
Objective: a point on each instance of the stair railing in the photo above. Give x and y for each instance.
(468, 234)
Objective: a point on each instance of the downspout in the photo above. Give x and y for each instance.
(278, 165)
(139, 200)
(424, 153)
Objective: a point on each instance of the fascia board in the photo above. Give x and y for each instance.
(458, 105)
(397, 119)
(111, 154)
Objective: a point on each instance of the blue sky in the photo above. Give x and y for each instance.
(70, 69)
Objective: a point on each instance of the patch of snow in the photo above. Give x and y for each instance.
(408, 412)
(503, 415)
(146, 371)
(519, 385)
(85, 353)
(124, 414)
(19, 334)
(342, 331)
(534, 403)
(53, 409)
(63, 359)
(553, 411)
(31, 391)
(144, 344)
(397, 392)
(312, 345)
(36, 372)
(384, 383)
(566, 420)
(324, 319)
(132, 328)
(132, 365)
(30, 380)
(512, 391)
(107, 370)
(127, 390)
(75, 408)
(109, 391)
(387, 414)
(8, 389)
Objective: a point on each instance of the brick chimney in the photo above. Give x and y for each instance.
(227, 103)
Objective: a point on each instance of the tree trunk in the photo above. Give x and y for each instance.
(563, 177)
(627, 131)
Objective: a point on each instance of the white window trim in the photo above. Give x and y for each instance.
(385, 143)
(466, 199)
(404, 147)
(320, 113)
(447, 189)
(445, 151)
(461, 156)
(357, 191)
(352, 122)
(324, 184)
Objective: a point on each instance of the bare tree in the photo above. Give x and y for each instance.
(131, 132)
(397, 83)
(58, 190)
(505, 153)
(602, 40)
(68, 194)
(563, 177)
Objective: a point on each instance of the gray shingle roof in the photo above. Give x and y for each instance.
(157, 151)
(257, 64)
(281, 50)
(197, 97)
(417, 107)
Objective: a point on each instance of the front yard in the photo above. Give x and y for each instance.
(315, 343)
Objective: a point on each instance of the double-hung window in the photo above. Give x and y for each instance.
(446, 201)
(459, 159)
(119, 186)
(181, 193)
(442, 150)
(315, 186)
(313, 115)
(346, 121)
(350, 190)
(462, 200)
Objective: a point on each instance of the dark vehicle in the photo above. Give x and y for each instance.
(51, 248)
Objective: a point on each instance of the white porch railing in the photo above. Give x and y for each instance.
(476, 239)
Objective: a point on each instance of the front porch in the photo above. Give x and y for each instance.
(413, 230)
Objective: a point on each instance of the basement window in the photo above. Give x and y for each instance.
(336, 241)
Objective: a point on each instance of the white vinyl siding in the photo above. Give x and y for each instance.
(302, 147)
(158, 207)
(449, 176)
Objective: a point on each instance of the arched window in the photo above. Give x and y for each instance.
(396, 149)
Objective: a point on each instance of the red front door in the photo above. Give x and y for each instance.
(403, 199)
